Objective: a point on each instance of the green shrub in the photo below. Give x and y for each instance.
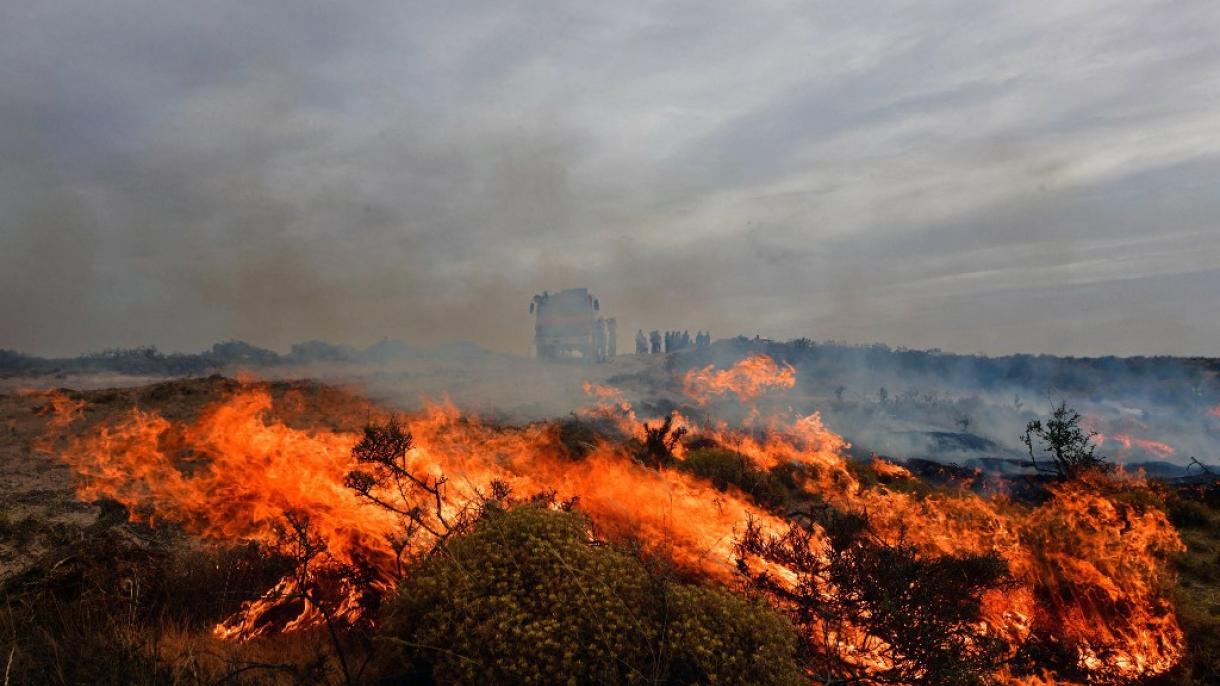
(725, 467)
(527, 598)
(721, 638)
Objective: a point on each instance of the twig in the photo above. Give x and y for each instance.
(1194, 462)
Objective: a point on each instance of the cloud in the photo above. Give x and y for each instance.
(929, 174)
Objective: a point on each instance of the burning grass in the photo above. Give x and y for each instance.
(1075, 587)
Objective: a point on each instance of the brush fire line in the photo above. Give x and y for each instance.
(1089, 571)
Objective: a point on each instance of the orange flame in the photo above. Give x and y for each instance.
(62, 410)
(748, 379)
(889, 469)
(244, 472)
(1089, 571)
(1126, 442)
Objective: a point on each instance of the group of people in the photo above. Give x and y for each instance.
(672, 341)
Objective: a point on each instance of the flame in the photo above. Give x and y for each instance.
(244, 472)
(1089, 570)
(61, 408)
(1126, 442)
(748, 379)
(889, 469)
(613, 406)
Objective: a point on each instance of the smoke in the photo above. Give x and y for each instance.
(898, 403)
(972, 410)
(277, 174)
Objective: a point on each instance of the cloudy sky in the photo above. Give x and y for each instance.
(975, 176)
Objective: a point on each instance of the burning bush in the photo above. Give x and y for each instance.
(385, 480)
(659, 442)
(527, 597)
(874, 611)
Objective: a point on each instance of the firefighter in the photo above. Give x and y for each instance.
(599, 340)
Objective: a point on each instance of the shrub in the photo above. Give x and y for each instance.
(1069, 447)
(725, 467)
(580, 435)
(659, 442)
(922, 614)
(527, 598)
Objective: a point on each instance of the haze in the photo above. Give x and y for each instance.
(979, 177)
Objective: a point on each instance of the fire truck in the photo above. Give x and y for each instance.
(568, 326)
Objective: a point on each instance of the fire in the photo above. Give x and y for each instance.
(889, 469)
(1126, 442)
(612, 405)
(62, 408)
(747, 379)
(1088, 570)
(247, 471)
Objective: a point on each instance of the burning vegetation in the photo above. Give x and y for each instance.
(439, 547)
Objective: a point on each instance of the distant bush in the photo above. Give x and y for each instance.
(1069, 447)
(321, 351)
(527, 598)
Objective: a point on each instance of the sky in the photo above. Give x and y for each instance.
(987, 177)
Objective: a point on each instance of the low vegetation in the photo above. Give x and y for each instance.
(919, 615)
(527, 597)
(522, 590)
(725, 468)
(1195, 510)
